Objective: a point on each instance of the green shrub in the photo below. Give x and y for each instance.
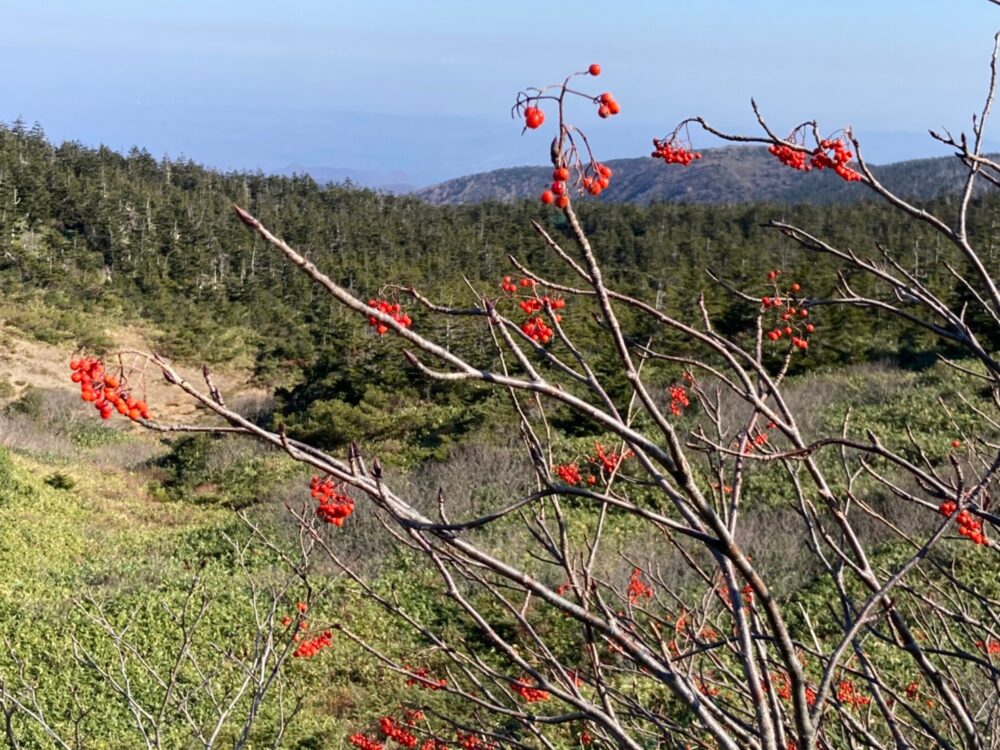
(29, 404)
(60, 481)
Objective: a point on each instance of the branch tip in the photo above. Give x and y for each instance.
(246, 218)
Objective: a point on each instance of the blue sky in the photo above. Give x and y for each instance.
(425, 88)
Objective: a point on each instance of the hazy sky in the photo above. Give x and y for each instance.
(426, 87)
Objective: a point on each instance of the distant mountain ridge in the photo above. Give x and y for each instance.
(727, 176)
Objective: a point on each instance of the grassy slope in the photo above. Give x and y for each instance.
(84, 523)
(115, 535)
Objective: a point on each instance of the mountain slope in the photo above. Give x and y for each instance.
(724, 176)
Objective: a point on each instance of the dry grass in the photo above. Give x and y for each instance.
(20, 432)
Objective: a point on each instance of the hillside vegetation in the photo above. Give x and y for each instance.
(90, 238)
(106, 529)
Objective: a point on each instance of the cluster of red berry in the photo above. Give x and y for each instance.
(758, 438)
(423, 678)
(107, 392)
(990, 646)
(398, 731)
(968, 525)
(593, 179)
(393, 731)
(638, 588)
(309, 648)
(706, 689)
(789, 317)
(805, 161)
(532, 305)
(779, 681)
(569, 473)
(837, 162)
(558, 192)
(389, 308)
(607, 105)
(848, 695)
(528, 693)
(607, 460)
(333, 506)
(783, 689)
(790, 157)
(604, 462)
(538, 330)
(678, 399)
(533, 117)
(672, 152)
(597, 179)
(535, 326)
(363, 742)
(510, 287)
(811, 697)
(797, 342)
(585, 737)
(474, 742)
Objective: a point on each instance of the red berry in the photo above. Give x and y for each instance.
(547, 197)
(594, 69)
(562, 201)
(956, 443)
